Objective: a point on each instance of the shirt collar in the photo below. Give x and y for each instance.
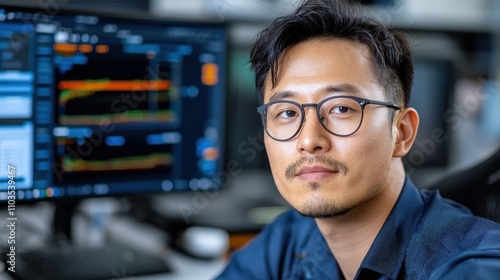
(388, 250)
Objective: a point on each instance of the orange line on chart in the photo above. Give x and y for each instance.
(114, 85)
(77, 89)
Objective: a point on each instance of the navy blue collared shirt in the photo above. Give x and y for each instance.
(424, 237)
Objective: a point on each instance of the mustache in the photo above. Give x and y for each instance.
(292, 169)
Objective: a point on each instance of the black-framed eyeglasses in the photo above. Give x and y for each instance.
(339, 115)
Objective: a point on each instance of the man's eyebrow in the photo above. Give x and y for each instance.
(343, 88)
(339, 88)
(282, 95)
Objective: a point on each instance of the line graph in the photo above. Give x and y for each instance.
(131, 116)
(81, 89)
(141, 162)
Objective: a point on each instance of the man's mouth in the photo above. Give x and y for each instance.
(315, 172)
(314, 168)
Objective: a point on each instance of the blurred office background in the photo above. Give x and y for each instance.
(457, 74)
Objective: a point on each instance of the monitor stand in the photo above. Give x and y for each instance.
(63, 217)
(63, 259)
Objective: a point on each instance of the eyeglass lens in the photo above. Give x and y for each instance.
(340, 116)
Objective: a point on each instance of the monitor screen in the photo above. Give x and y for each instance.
(431, 96)
(100, 105)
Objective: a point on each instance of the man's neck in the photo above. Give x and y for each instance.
(350, 236)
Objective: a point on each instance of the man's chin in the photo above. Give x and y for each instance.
(323, 213)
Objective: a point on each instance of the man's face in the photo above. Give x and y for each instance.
(320, 174)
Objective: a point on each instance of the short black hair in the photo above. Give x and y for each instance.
(317, 19)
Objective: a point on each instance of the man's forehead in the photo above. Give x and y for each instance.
(321, 90)
(333, 65)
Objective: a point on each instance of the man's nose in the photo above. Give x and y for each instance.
(312, 138)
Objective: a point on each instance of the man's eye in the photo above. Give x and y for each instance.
(341, 110)
(287, 114)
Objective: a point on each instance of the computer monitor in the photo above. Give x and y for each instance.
(431, 96)
(98, 104)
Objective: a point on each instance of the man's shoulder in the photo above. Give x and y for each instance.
(446, 217)
(448, 235)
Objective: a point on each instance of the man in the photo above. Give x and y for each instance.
(335, 88)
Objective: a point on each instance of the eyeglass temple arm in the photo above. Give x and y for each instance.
(388, 104)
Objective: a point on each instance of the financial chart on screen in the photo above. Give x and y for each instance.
(95, 104)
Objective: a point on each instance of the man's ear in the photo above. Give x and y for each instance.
(406, 130)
